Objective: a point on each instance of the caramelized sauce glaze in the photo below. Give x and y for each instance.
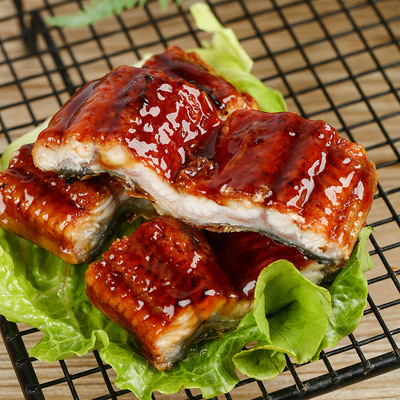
(283, 161)
(272, 161)
(42, 207)
(243, 255)
(160, 120)
(146, 281)
(169, 280)
(177, 63)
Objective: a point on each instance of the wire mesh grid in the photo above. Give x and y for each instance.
(333, 60)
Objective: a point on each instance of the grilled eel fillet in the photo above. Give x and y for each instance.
(279, 174)
(67, 217)
(163, 285)
(168, 283)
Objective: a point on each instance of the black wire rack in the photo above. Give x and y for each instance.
(334, 60)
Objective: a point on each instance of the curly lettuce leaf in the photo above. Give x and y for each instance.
(361, 252)
(349, 293)
(39, 289)
(208, 366)
(293, 314)
(227, 56)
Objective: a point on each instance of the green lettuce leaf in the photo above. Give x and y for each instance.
(361, 252)
(226, 55)
(293, 314)
(290, 317)
(349, 293)
(208, 366)
(39, 289)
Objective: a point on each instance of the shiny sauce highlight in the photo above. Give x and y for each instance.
(159, 120)
(285, 162)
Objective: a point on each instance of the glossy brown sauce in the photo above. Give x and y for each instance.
(286, 162)
(177, 63)
(243, 255)
(170, 274)
(69, 194)
(275, 160)
(41, 205)
(162, 121)
(166, 266)
(278, 161)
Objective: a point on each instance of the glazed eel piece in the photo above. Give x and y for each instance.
(66, 216)
(279, 174)
(294, 179)
(163, 285)
(168, 283)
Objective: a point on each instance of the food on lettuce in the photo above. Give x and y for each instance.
(66, 216)
(291, 315)
(167, 284)
(164, 286)
(274, 173)
(188, 65)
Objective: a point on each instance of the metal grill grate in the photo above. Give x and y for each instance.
(333, 60)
